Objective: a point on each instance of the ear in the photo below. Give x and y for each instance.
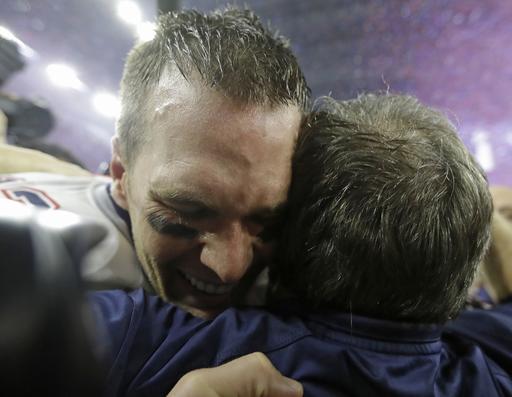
(119, 176)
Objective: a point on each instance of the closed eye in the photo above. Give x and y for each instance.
(184, 205)
(162, 225)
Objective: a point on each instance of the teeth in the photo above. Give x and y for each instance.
(216, 289)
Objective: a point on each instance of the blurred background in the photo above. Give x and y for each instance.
(59, 81)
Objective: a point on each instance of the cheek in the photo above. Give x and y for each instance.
(163, 249)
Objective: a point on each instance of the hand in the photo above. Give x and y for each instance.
(497, 266)
(249, 376)
(17, 159)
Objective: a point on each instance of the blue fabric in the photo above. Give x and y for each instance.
(152, 344)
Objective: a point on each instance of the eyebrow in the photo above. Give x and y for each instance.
(186, 203)
(266, 215)
(194, 207)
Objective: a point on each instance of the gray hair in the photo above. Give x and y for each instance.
(389, 213)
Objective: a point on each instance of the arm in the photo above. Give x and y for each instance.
(497, 266)
(252, 376)
(492, 329)
(16, 159)
(152, 347)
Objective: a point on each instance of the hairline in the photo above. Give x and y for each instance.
(151, 92)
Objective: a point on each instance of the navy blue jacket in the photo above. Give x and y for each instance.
(152, 344)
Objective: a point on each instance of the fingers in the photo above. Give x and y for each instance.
(251, 376)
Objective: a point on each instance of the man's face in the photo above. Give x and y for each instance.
(204, 193)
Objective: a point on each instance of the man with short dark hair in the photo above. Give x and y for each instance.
(201, 163)
(388, 218)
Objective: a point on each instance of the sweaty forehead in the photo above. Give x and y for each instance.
(176, 99)
(245, 139)
(201, 122)
(202, 144)
(219, 188)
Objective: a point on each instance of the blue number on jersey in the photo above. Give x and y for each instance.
(30, 196)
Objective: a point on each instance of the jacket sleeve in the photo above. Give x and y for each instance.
(138, 334)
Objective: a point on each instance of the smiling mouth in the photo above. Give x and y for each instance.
(207, 288)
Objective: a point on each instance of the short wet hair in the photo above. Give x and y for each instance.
(228, 50)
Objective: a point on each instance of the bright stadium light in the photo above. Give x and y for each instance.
(146, 31)
(7, 34)
(64, 76)
(106, 104)
(129, 12)
(23, 48)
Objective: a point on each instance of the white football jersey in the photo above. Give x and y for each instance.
(113, 262)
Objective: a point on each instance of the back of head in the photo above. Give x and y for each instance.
(229, 51)
(389, 213)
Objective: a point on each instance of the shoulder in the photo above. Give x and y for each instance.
(47, 190)
(17, 159)
(243, 331)
(158, 341)
(112, 262)
(488, 329)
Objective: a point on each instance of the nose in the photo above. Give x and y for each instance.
(228, 252)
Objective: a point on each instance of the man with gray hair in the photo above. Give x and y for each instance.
(389, 217)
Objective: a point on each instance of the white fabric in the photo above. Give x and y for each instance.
(112, 263)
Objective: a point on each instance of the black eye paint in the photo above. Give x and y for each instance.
(162, 225)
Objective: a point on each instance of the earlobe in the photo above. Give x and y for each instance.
(118, 174)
